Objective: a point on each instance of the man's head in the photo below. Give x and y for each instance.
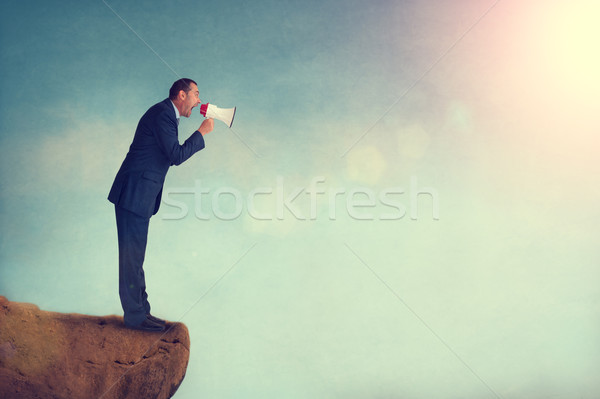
(184, 94)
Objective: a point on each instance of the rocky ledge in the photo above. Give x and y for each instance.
(57, 355)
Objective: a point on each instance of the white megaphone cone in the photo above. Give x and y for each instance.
(223, 114)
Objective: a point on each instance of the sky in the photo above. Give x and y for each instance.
(406, 205)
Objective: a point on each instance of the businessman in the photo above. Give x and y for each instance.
(137, 189)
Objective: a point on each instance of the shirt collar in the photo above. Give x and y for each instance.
(176, 110)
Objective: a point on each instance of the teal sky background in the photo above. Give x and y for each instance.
(483, 111)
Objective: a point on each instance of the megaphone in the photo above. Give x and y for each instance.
(223, 114)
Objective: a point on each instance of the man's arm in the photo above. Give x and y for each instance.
(166, 135)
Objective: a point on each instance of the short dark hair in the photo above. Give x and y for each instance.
(181, 84)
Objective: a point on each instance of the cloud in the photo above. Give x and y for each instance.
(413, 141)
(365, 164)
(83, 157)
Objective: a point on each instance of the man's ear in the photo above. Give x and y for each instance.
(181, 95)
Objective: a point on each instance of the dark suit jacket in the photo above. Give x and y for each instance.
(155, 147)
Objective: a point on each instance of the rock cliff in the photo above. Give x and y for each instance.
(56, 355)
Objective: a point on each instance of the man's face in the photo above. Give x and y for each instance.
(191, 100)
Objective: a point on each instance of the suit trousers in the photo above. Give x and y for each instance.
(132, 233)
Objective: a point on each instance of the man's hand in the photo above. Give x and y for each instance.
(207, 126)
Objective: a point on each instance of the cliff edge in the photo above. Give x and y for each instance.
(48, 355)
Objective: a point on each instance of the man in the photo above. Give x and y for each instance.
(137, 189)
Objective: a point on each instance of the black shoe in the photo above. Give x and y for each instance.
(148, 325)
(155, 319)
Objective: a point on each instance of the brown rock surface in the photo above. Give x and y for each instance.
(56, 355)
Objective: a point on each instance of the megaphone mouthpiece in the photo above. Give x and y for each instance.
(225, 115)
